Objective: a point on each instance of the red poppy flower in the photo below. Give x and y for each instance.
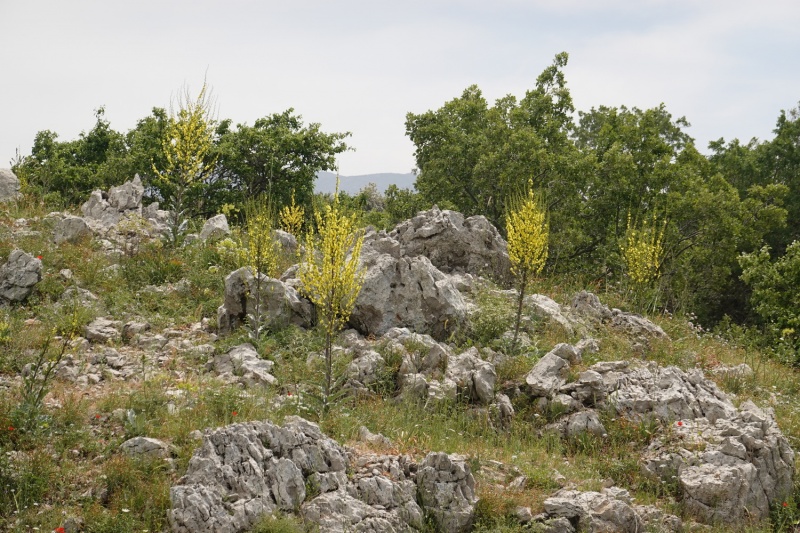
(289, 393)
(59, 530)
(11, 428)
(97, 416)
(785, 504)
(39, 257)
(680, 423)
(235, 413)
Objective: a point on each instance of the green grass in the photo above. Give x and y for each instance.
(70, 465)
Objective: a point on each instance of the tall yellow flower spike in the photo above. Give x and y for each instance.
(528, 232)
(292, 218)
(643, 250)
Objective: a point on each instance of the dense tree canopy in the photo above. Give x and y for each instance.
(613, 164)
(277, 156)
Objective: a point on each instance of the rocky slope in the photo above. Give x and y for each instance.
(725, 461)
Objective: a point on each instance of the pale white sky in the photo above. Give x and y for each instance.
(729, 66)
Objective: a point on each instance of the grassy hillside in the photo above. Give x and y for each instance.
(60, 461)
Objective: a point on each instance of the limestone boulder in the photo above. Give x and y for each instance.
(9, 185)
(454, 243)
(215, 228)
(241, 364)
(406, 292)
(474, 377)
(244, 471)
(70, 229)
(278, 303)
(549, 373)
(146, 447)
(587, 307)
(729, 463)
(609, 511)
(18, 276)
(447, 490)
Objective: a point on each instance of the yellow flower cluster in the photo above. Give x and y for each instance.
(258, 250)
(528, 232)
(643, 250)
(330, 274)
(292, 218)
(187, 142)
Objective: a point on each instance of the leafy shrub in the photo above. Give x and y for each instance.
(775, 296)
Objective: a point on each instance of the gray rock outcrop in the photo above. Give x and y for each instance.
(609, 511)
(107, 209)
(146, 446)
(587, 306)
(729, 463)
(405, 292)
(241, 364)
(18, 276)
(278, 302)
(453, 243)
(244, 471)
(70, 229)
(215, 228)
(549, 373)
(9, 185)
(474, 377)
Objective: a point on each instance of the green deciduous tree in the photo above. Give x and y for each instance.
(278, 156)
(476, 157)
(776, 298)
(71, 170)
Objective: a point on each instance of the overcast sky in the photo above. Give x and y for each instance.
(728, 66)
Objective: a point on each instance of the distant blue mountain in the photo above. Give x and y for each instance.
(326, 182)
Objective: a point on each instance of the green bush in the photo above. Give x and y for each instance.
(775, 296)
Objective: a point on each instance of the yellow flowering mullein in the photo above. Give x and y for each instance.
(292, 218)
(331, 277)
(528, 231)
(258, 252)
(187, 143)
(643, 250)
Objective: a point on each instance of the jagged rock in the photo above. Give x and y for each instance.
(473, 376)
(405, 292)
(583, 422)
(543, 307)
(279, 304)
(609, 511)
(246, 470)
(447, 489)
(215, 228)
(103, 330)
(107, 209)
(133, 328)
(588, 307)
(128, 196)
(729, 463)
(18, 276)
(365, 369)
(146, 446)
(286, 242)
(453, 243)
(242, 364)
(9, 185)
(741, 371)
(365, 435)
(549, 373)
(70, 229)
